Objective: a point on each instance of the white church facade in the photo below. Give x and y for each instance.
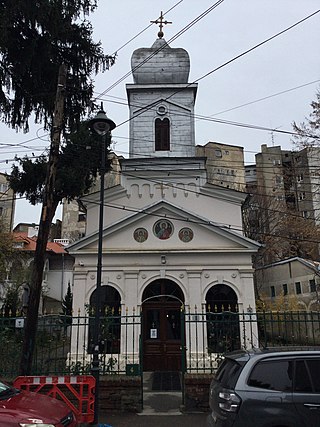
(171, 240)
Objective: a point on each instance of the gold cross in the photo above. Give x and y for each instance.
(161, 22)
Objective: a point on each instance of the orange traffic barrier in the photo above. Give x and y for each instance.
(76, 391)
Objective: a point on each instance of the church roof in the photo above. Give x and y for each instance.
(160, 64)
(168, 210)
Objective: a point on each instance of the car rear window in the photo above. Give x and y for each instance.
(314, 369)
(307, 377)
(228, 373)
(272, 375)
(302, 380)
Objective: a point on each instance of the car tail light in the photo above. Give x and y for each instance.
(66, 421)
(229, 401)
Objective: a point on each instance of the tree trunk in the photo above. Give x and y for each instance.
(49, 206)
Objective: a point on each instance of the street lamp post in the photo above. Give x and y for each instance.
(103, 126)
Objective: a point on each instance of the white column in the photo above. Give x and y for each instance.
(196, 332)
(248, 321)
(131, 327)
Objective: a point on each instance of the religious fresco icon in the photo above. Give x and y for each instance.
(186, 234)
(140, 235)
(163, 229)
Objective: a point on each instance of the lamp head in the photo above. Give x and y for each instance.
(101, 124)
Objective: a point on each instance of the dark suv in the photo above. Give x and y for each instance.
(267, 388)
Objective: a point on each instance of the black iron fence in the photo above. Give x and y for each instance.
(64, 344)
(210, 334)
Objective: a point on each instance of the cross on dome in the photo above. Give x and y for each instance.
(161, 23)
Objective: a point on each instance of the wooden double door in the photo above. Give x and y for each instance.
(162, 336)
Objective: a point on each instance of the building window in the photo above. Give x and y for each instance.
(218, 152)
(298, 287)
(110, 323)
(312, 285)
(273, 291)
(278, 179)
(4, 188)
(162, 134)
(18, 245)
(285, 289)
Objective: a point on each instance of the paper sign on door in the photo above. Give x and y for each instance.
(153, 333)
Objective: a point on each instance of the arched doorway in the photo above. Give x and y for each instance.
(110, 322)
(162, 332)
(223, 328)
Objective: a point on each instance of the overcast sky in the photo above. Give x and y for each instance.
(287, 62)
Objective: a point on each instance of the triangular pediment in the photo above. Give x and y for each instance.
(160, 100)
(204, 236)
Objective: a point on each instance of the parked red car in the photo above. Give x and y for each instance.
(20, 408)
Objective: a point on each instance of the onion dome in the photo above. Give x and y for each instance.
(160, 64)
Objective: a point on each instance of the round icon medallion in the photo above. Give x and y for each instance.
(140, 235)
(163, 229)
(186, 234)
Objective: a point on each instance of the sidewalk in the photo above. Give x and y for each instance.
(140, 420)
(160, 409)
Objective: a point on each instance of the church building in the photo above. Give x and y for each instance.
(172, 240)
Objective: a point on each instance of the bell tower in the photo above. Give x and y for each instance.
(161, 101)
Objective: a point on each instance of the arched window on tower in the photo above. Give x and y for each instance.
(162, 134)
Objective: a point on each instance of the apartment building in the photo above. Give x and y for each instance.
(224, 164)
(284, 189)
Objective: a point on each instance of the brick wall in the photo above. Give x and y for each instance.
(120, 393)
(197, 392)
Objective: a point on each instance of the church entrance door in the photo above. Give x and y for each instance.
(162, 340)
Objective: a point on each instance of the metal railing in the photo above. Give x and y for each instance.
(64, 343)
(208, 335)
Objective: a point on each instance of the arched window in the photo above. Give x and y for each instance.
(223, 328)
(162, 134)
(110, 321)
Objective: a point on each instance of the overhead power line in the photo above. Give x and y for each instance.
(142, 31)
(264, 98)
(182, 31)
(257, 45)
